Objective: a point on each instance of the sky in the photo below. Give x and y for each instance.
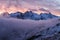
(37, 6)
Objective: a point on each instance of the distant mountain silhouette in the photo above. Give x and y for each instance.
(17, 15)
(47, 16)
(33, 16)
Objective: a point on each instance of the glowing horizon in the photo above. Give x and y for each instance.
(38, 6)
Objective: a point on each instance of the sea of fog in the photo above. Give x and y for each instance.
(22, 29)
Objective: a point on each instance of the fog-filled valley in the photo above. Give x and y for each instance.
(26, 29)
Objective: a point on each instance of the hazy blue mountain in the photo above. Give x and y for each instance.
(33, 16)
(47, 16)
(28, 15)
(17, 15)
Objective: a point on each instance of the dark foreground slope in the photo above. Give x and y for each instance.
(18, 29)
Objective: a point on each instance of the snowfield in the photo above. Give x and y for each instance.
(21, 29)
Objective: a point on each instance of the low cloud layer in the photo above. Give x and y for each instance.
(18, 29)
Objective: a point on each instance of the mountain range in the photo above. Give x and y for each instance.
(32, 15)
